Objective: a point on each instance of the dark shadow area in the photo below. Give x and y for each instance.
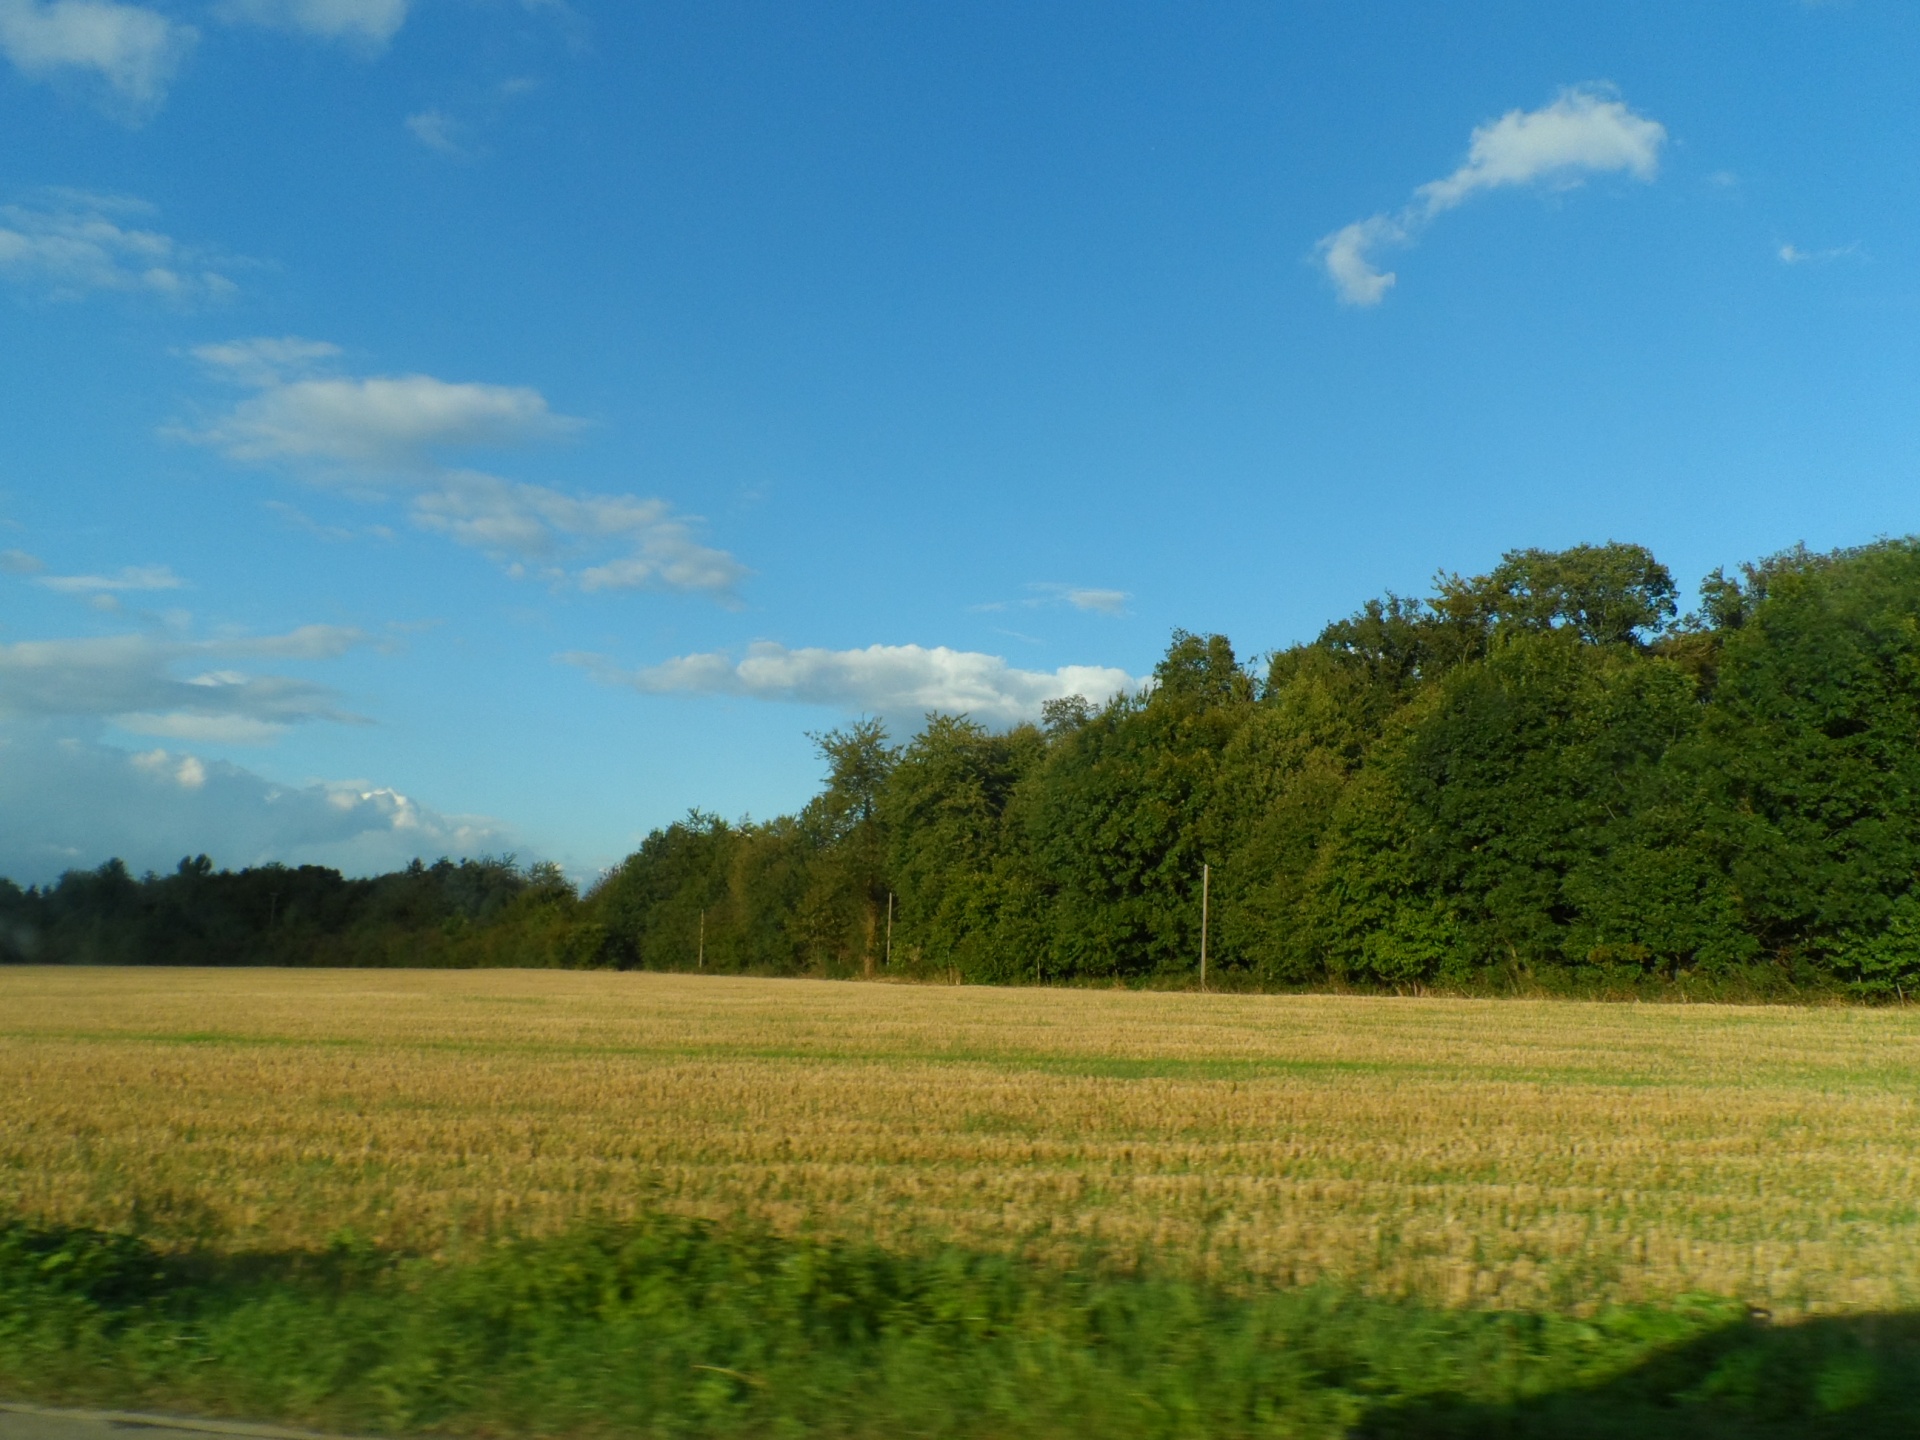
(1854, 1376)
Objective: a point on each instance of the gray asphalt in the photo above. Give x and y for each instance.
(30, 1422)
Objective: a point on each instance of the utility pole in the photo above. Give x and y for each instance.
(703, 938)
(1206, 877)
(889, 929)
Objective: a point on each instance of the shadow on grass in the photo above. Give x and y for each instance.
(1855, 1376)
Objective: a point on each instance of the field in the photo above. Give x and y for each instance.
(1481, 1154)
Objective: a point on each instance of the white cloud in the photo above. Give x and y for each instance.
(300, 520)
(1584, 131)
(369, 23)
(531, 524)
(134, 50)
(1794, 255)
(19, 562)
(1101, 602)
(391, 431)
(381, 422)
(1347, 255)
(901, 681)
(202, 729)
(189, 772)
(73, 802)
(265, 360)
(132, 577)
(71, 243)
(438, 131)
(133, 681)
(1045, 593)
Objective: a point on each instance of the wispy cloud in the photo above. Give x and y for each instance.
(103, 592)
(131, 577)
(1584, 131)
(461, 136)
(439, 132)
(531, 525)
(397, 433)
(294, 516)
(1794, 255)
(1083, 597)
(1046, 593)
(265, 360)
(19, 562)
(70, 243)
(369, 24)
(133, 50)
(899, 681)
(135, 682)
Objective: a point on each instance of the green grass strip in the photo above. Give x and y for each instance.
(676, 1328)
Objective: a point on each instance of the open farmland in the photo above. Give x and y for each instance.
(1485, 1153)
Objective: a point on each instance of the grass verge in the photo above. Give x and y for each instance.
(672, 1327)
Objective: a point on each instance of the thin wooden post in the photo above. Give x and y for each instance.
(703, 938)
(1206, 877)
(889, 929)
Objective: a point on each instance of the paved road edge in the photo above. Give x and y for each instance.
(190, 1423)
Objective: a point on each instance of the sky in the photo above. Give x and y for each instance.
(499, 426)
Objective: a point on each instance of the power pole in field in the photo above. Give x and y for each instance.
(889, 929)
(1206, 877)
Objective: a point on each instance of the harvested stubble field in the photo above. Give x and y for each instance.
(1506, 1153)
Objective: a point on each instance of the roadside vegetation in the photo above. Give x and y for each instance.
(1540, 779)
(670, 1327)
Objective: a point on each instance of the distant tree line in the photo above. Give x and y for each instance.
(1542, 776)
(476, 912)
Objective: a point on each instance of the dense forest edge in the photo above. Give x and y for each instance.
(1541, 779)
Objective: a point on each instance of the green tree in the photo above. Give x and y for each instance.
(1124, 814)
(1811, 753)
(841, 911)
(966, 900)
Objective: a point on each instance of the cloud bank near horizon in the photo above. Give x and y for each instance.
(74, 799)
(1586, 130)
(89, 802)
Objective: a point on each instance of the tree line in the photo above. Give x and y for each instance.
(488, 911)
(1544, 776)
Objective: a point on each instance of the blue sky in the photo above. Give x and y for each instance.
(471, 425)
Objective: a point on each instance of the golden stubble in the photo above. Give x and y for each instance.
(1470, 1152)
